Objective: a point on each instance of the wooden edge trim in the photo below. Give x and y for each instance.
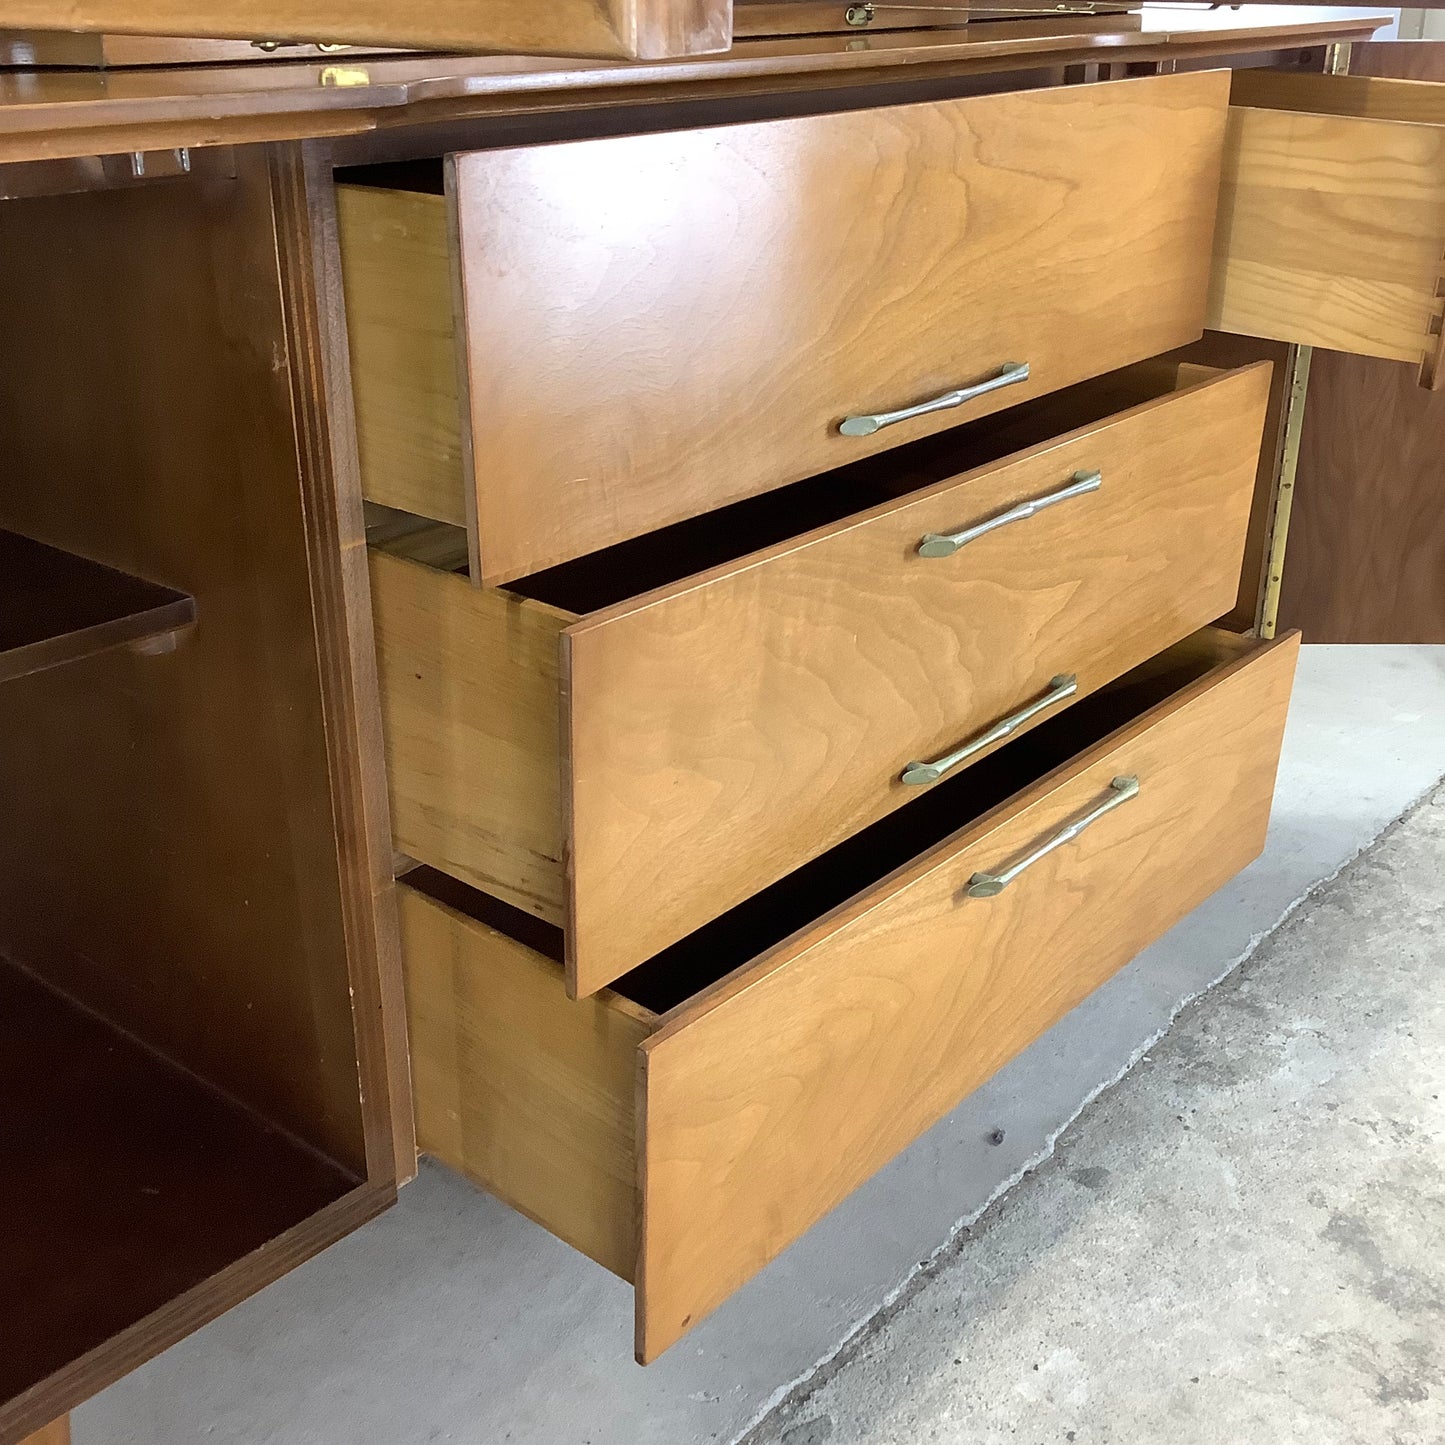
(576, 986)
(461, 352)
(118, 1356)
(791, 949)
(56, 1433)
(308, 252)
(640, 1352)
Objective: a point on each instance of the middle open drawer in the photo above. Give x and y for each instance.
(631, 744)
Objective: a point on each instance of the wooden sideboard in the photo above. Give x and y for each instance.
(777, 550)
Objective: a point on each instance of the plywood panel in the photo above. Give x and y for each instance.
(1330, 232)
(1366, 558)
(471, 715)
(522, 1090)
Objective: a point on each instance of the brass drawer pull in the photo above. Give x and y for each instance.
(945, 544)
(989, 885)
(919, 774)
(1009, 374)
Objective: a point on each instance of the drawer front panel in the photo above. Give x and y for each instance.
(769, 1098)
(723, 732)
(661, 324)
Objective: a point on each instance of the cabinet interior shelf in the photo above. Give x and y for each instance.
(129, 1183)
(56, 607)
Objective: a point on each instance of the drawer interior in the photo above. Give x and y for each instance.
(688, 548)
(675, 975)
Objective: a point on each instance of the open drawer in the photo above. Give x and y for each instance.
(653, 326)
(632, 744)
(685, 1127)
(1331, 227)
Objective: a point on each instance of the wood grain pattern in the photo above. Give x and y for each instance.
(883, 1016)
(1364, 97)
(303, 194)
(647, 29)
(525, 1092)
(77, 48)
(128, 1183)
(397, 273)
(190, 792)
(661, 324)
(821, 17)
(1221, 349)
(183, 851)
(56, 1433)
(84, 114)
(1367, 538)
(470, 701)
(1330, 232)
(1398, 59)
(725, 730)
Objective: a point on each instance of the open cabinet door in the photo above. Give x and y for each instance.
(1366, 555)
(620, 29)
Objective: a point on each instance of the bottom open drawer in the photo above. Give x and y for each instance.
(685, 1126)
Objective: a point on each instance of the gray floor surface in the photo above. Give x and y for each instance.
(453, 1319)
(1243, 1242)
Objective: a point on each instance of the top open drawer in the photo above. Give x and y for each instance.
(1332, 214)
(654, 326)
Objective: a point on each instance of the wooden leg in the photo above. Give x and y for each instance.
(56, 1433)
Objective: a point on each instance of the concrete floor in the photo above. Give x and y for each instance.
(1242, 1242)
(453, 1319)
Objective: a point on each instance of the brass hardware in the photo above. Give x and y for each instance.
(1009, 374)
(326, 47)
(147, 165)
(945, 544)
(1294, 415)
(920, 774)
(990, 885)
(344, 75)
(859, 15)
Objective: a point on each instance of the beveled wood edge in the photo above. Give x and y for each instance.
(1221, 376)
(570, 965)
(675, 1020)
(212, 1297)
(55, 1433)
(292, 101)
(456, 254)
(303, 197)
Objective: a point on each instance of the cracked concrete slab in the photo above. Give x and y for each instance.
(1243, 1241)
